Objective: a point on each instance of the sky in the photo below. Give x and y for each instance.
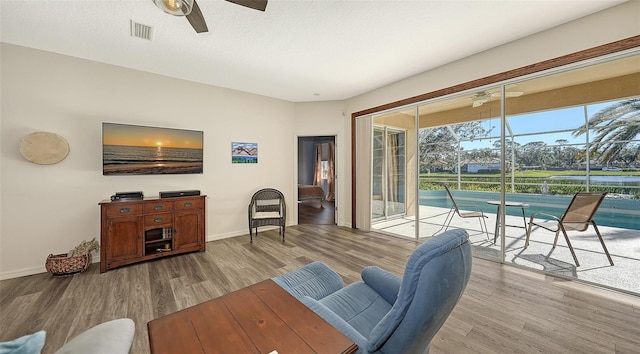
(135, 135)
(540, 122)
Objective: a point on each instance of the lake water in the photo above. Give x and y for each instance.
(612, 180)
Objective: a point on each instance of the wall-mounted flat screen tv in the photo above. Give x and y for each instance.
(141, 150)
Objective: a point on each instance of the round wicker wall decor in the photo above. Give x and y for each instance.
(44, 148)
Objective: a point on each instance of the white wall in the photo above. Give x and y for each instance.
(50, 209)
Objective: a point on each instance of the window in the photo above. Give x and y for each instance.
(325, 169)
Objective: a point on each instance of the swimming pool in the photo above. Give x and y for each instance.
(622, 213)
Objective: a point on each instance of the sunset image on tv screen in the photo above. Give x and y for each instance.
(140, 150)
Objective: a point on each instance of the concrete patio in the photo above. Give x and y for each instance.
(623, 245)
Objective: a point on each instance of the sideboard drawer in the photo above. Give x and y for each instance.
(158, 219)
(195, 203)
(158, 207)
(114, 210)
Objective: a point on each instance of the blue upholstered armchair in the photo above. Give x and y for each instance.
(385, 313)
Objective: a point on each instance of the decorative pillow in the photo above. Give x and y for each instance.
(29, 344)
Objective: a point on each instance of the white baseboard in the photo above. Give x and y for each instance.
(225, 235)
(95, 258)
(22, 272)
(242, 232)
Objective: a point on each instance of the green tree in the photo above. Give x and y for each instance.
(512, 148)
(558, 152)
(614, 127)
(438, 147)
(536, 154)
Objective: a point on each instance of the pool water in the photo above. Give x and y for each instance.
(621, 213)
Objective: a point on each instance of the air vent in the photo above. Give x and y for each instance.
(141, 31)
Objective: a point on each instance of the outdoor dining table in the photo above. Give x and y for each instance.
(509, 204)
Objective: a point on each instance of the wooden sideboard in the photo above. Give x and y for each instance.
(133, 231)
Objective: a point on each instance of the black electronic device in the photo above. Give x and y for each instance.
(127, 196)
(174, 194)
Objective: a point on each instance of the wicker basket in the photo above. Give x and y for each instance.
(62, 266)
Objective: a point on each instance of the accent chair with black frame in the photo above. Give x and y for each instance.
(267, 207)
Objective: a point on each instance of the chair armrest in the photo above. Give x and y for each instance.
(383, 282)
(336, 321)
(474, 207)
(541, 224)
(534, 215)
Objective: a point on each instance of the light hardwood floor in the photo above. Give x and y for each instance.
(504, 309)
(311, 213)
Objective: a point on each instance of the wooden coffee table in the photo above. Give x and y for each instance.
(261, 318)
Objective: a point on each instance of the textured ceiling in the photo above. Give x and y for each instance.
(297, 50)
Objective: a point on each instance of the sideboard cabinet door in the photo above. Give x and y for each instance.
(125, 238)
(188, 230)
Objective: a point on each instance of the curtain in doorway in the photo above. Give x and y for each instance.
(317, 175)
(363, 143)
(331, 179)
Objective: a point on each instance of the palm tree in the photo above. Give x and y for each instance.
(614, 126)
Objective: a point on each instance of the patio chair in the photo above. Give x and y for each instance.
(267, 207)
(577, 217)
(455, 210)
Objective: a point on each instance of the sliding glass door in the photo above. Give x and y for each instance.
(388, 196)
(393, 171)
(460, 164)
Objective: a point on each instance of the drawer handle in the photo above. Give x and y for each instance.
(188, 204)
(125, 210)
(158, 220)
(158, 207)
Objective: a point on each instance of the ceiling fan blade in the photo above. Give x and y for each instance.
(259, 5)
(456, 100)
(481, 98)
(513, 93)
(196, 19)
(508, 94)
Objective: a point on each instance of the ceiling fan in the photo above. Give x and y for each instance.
(191, 10)
(483, 97)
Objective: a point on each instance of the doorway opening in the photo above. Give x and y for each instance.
(316, 180)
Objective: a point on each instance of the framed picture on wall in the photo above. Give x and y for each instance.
(244, 152)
